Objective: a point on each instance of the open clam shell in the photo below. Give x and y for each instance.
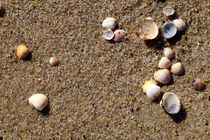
(108, 34)
(171, 103)
(168, 11)
(169, 30)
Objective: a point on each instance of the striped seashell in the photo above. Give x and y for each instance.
(164, 63)
(162, 76)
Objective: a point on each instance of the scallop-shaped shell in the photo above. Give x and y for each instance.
(169, 30)
(38, 101)
(149, 30)
(108, 34)
(109, 23)
(177, 68)
(119, 35)
(168, 52)
(153, 92)
(168, 11)
(54, 61)
(164, 63)
(162, 76)
(147, 84)
(198, 84)
(171, 103)
(22, 51)
(180, 24)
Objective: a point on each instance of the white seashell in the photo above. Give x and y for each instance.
(149, 30)
(38, 101)
(153, 92)
(171, 103)
(162, 76)
(177, 68)
(54, 61)
(109, 23)
(149, 18)
(147, 84)
(168, 52)
(169, 30)
(180, 24)
(108, 34)
(164, 63)
(168, 11)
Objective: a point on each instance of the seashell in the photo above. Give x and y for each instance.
(168, 11)
(149, 18)
(170, 103)
(149, 30)
(119, 35)
(162, 76)
(169, 30)
(198, 84)
(108, 34)
(38, 101)
(164, 63)
(153, 91)
(54, 61)
(147, 84)
(177, 68)
(168, 52)
(180, 24)
(22, 51)
(109, 23)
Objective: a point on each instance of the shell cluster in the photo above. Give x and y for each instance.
(111, 33)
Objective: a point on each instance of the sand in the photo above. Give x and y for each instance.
(96, 91)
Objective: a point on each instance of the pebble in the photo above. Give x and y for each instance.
(38, 101)
(22, 51)
(54, 61)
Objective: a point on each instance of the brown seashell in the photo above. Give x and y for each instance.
(164, 63)
(162, 76)
(177, 68)
(168, 52)
(198, 84)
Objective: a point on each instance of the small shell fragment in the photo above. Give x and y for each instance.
(170, 103)
(109, 23)
(177, 68)
(22, 51)
(38, 101)
(164, 63)
(153, 92)
(168, 52)
(169, 30)
(198, 84)
(108, 34)
(119, 35)
(162, 76)
(147, 84)
(180, 24)
(168, 11)
(149, 30)
(54, 61)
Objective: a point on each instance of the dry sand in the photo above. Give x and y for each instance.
(95, 92)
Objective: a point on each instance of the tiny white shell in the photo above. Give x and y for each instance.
(180, 24)
(168, 52)
(153, 92)
(177, 68)
(168, 11)
(109, 23)
(38, 101)
(54, 61)
(162, 76)
(170, 103)
(108, 34)
(164, 63)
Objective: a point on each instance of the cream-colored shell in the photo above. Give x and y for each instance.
(109, 23)
(147, 84)
(170, 103)
(168, 52)
(38, 101)
(164, 63)
(54, 61)
(177, 68)
(153, 92)
(108, 34)
(180, 24)
(22, 51)
(162, 76)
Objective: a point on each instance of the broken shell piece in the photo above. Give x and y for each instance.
(162, 76)
(168, 52)
(171, 103)
(149, 18)
(198, 84)
(22, 51)
(109, 23)
(180, 24)
(38, 101)
(164, 63)
(168, 11)
(119, 35)
(149, 30)
(153, 92)
(54, 61)
(169, 30)
(177, 68)
(108, 34)
(147, 84)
